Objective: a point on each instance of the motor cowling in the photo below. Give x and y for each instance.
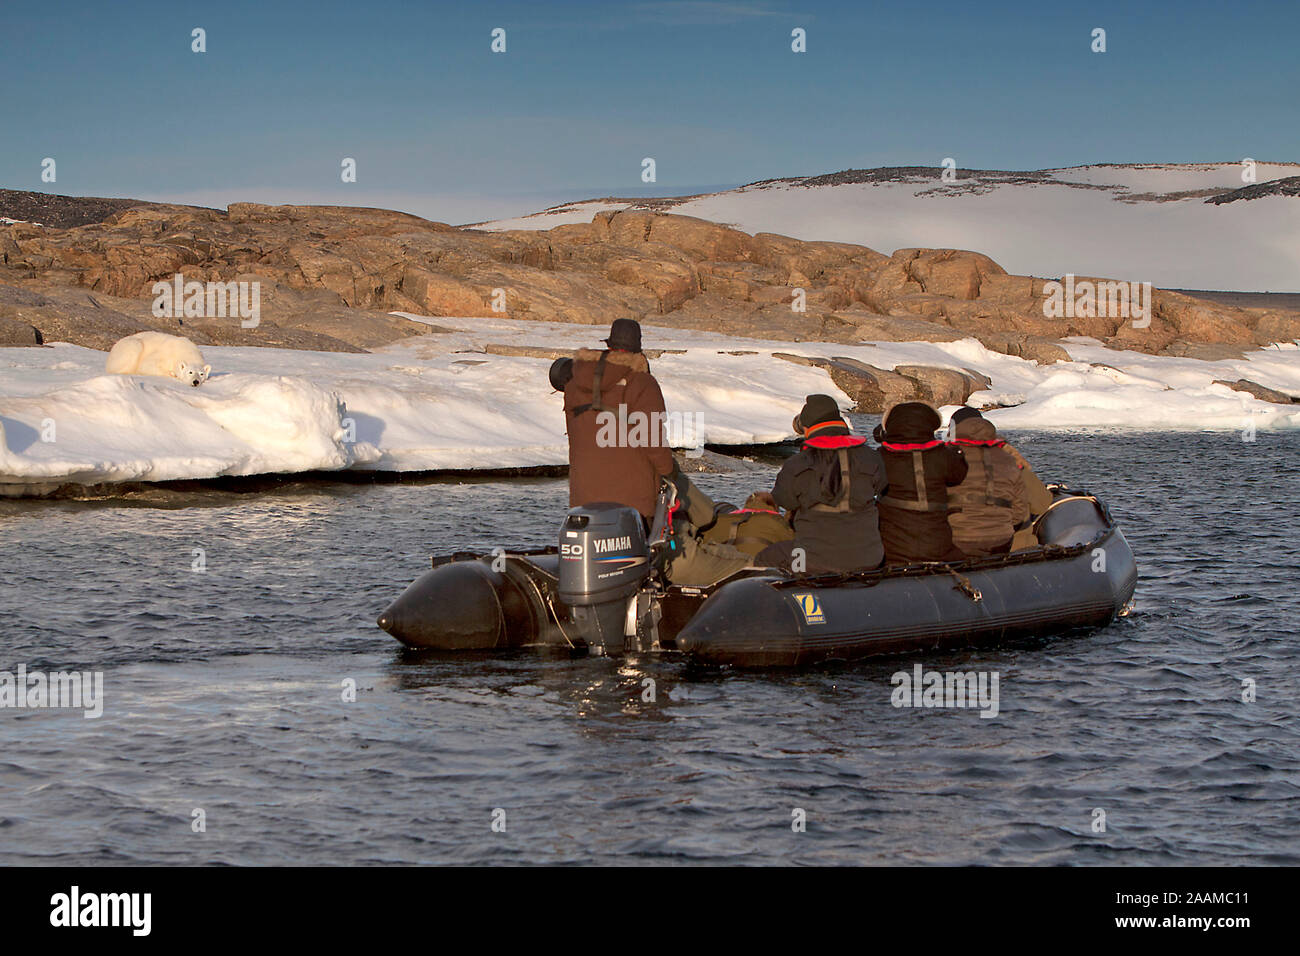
(604, 561)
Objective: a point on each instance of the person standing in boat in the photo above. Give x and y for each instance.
(921, 469)
(987, 509)
(1037, 497)
(829, 490)
(614, 414)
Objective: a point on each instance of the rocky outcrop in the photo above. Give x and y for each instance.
(1287, 186)
(308, 321)
(14, 332)
(330, 275)
(874, 390)
(1262, 392)
(707, 462)
(59, 212)
(941, 386)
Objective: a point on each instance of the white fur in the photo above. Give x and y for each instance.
(156, 353)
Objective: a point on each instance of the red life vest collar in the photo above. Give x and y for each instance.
(921, 446)
(991, 443)
(835, 441)
(753, 511)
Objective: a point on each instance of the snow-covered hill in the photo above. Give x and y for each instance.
(1150, 223)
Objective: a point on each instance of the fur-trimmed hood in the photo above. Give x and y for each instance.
(976, 429)
(633, 361)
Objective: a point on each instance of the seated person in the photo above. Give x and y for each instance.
(752, 528)
(728, 543)
(987, 508)
(1038, 497)
(921, 469)
(829, 491)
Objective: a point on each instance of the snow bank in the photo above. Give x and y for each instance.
(441, 401)
(1088, 220)
(126, 428)
(438, 402)
(1105, 389)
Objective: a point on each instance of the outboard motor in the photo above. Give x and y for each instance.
(604, 561)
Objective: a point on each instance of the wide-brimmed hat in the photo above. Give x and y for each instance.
(625, 335)
(908, 422)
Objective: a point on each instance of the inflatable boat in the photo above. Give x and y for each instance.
(599, 592)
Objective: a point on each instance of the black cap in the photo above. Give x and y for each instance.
(625, 334)
(561, 372)
(816, 410)
(963, 413)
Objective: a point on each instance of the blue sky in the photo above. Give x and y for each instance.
(441, 126)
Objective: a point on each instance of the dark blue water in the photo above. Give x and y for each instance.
(224, 693)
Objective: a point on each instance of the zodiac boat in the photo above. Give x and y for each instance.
(598, 592)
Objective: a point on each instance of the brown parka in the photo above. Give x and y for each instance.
(991, 502)
(914, 512)
(1039, 498)
(618, 448)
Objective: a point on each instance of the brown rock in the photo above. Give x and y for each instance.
(939, 386)
(670, 283)
(1042, 351)
(881, 389)
(953, 273)
(872, 389)
(700, 238)
(1204, 351)
(16, 332)
(1032, 348)
(1154, 339)
(870, 327)
(739, 280)
(1262, 392)
(795, 259)
(1277, 327)
(441, 295)
(528, 351)
(1202, 321)
(9, 251)
(355, 264)
(68, 315)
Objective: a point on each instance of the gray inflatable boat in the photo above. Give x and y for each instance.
(598, 592)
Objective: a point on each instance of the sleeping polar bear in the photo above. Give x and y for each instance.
(156, 353)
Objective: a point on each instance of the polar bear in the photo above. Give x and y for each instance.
(156, 353)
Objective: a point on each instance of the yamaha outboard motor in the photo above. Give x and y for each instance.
(604, 561)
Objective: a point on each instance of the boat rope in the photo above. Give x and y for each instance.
(1061, 501)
